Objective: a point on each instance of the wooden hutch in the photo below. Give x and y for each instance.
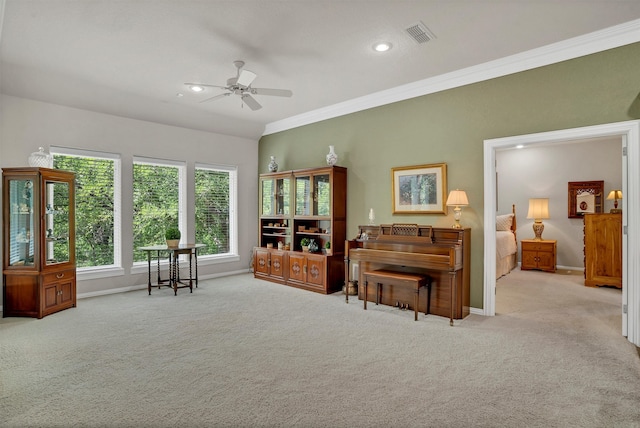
(298, 204)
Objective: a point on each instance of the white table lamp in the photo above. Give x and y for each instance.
(538, 210)
(457, 198)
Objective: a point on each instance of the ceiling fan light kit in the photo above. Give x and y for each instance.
(241, 86)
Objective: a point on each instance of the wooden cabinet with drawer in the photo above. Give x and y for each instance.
(540, 255)
(59, 291)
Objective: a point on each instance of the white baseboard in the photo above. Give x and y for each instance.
(476, 311)
(144, 286)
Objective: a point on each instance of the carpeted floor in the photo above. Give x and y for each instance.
(239, 352)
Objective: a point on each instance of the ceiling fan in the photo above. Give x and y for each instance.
(241, 86)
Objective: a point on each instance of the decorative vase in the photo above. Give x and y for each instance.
(372, 217)
(41, 159)
(313, 246)
(332, 157)
(273, 166)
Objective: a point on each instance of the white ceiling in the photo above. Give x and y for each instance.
(131, 57)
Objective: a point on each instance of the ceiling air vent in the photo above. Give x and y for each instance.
(420, 33)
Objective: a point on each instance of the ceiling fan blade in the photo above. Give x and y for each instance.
(205, 85)
(274, 92)
(226, 94)
(246, 77)
(251, 102)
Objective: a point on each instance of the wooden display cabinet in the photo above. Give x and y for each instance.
(39, 264)
(539, 255)
(309, 203)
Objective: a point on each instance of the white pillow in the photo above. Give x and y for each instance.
(503, 222)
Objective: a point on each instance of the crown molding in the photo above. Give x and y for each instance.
(576, 47)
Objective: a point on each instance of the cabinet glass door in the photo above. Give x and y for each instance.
(276, 196)
(283, 196)
(322, 195)
(303, 195)
(313, 195)
(21, 222)
(56, 222)
(268, 199)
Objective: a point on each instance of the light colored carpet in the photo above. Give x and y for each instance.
(239, 352)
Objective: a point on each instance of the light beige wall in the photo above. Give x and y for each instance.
(543, 172)
(25, 125)
(451, 126)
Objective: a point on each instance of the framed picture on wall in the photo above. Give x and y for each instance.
(585, 197)
(419, 189)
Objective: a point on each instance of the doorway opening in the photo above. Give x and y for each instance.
(629, 133)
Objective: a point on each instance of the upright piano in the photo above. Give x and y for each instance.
(441, 253)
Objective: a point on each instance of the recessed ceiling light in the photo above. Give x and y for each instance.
(519, 146)
(382, 46)
(196, 88)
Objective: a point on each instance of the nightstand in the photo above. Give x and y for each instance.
(540, 255)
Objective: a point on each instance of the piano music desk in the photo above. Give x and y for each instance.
(389, 277)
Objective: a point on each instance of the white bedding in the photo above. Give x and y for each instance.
(506, 252)
(505, 243)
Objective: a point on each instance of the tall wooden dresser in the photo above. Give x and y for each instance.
(603, 250)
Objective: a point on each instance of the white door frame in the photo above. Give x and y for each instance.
(629, 132)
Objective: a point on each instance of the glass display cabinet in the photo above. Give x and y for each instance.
(39, 269)
(299, 207)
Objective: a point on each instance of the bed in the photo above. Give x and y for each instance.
(506, 243)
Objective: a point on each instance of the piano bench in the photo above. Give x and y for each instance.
(390, 277)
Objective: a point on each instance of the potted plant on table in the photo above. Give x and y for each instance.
(327, 248)
(304, 243)
(172, 235)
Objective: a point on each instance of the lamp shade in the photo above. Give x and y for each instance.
(457, 198)
(538, 208)
(615, 194)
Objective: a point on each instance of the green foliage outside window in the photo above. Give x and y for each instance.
(156, 198)
(155, 204)
(94, 208)
(212, 210)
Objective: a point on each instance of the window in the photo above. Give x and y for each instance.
(215, 208)
(97, 205)
(158, 201)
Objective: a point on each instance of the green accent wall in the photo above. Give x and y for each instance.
(450, 127)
